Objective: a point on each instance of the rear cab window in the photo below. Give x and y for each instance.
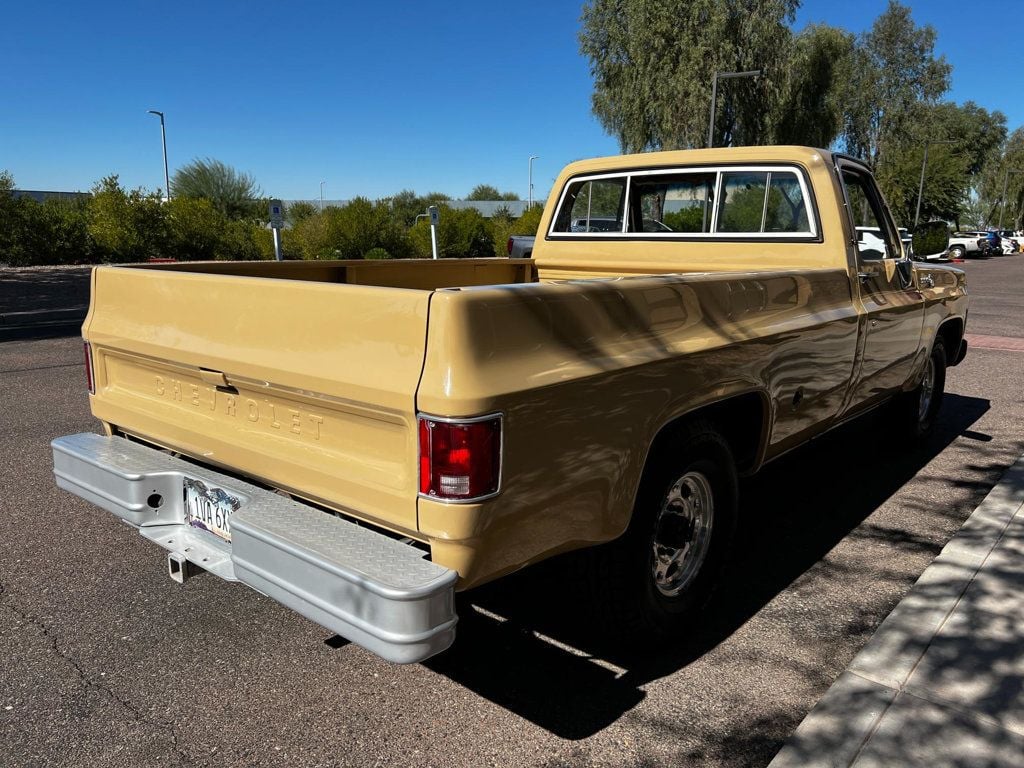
(721, 203)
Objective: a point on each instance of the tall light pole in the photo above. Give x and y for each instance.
(322, 196)
(924, 164)
(714, 95)
(163, 140)
(530, 192)
(1006, 180)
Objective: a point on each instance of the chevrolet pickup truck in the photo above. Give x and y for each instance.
(358, 440)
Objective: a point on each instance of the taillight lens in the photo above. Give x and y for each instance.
(89, 377)
(460, 460)
(508, 246)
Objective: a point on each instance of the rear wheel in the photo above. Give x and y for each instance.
(956, 252)
(657, 576)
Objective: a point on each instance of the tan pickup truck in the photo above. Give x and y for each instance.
(359, 440)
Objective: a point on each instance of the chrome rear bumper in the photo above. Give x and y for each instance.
(369, 588)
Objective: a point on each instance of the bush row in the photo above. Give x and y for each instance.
(116, 225)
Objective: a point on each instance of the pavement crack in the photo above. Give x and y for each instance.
(91, 683)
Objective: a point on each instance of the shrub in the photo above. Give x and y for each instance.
(377, 253)
(461, 233)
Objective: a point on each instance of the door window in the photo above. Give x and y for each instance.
(874, 241)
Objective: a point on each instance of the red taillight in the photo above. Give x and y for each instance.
(88, 369)
(509, 246)
(460, 460)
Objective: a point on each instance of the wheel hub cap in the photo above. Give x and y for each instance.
(682, 533)
(927, 390)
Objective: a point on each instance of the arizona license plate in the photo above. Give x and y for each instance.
(209, 508)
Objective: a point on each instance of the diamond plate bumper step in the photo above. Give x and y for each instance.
(377, 592)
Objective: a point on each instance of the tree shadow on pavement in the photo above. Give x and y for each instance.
(528, 643)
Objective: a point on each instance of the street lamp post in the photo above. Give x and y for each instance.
(714, 95)
(1002, 207)
(322, 196)
(163, 141)
(530, 192)
(924, 164)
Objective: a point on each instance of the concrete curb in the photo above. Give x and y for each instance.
(941, 682)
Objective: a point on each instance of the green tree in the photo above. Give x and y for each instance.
(299, 211)
(232, 192)
(350, 232)
(653, 61)
(811, 109)
(126, 226)
(893, 70)
(954, 170)
(487, 192)
(462, 233)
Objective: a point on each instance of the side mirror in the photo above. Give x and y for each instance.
(930, 239)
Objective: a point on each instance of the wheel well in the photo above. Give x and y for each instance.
(951, 334)
(741, 420)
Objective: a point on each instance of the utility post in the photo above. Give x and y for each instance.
(924, 164)
(163, 142)
(276, 224)
(1002, 207)
(714, 95)
(530, 191)
(435, 219)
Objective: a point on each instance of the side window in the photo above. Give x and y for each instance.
(868, 221)
(592, 206)
(786, 210)
(741, 208)
(671, 202)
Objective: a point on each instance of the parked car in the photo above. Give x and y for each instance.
(1011, 241)
(520, 246)
(357, 440)
(963, 244)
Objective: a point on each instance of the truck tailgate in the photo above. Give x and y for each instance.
(307, 386)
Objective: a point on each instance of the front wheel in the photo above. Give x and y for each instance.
(662, 570)
(918, 408)
(956, 252)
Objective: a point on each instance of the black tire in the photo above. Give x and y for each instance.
(638, 610)
(956, 252)
(917, 409)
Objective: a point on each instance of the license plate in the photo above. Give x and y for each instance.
(209, 508)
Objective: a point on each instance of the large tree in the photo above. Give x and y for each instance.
(489, 192)
(811, 110)
(894, 69)
(232, 192)
(653, 63)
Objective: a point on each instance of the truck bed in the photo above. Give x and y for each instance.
(277, 371)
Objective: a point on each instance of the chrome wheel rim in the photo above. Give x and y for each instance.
(682, 534)
(924, 403)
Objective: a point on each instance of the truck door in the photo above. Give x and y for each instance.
(892, 308)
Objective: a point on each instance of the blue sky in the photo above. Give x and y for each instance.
(370, 97)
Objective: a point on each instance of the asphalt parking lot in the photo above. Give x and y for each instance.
(104, 661)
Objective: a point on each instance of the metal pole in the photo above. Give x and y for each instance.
(920, 186)
(924, 164)
(163, 142)
(277, 244)
(530, 193)
(433, 240)
(714, 95)
(1002, 207)
(322, 196)
(711, 121)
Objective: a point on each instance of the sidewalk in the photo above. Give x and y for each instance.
(941, 683)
